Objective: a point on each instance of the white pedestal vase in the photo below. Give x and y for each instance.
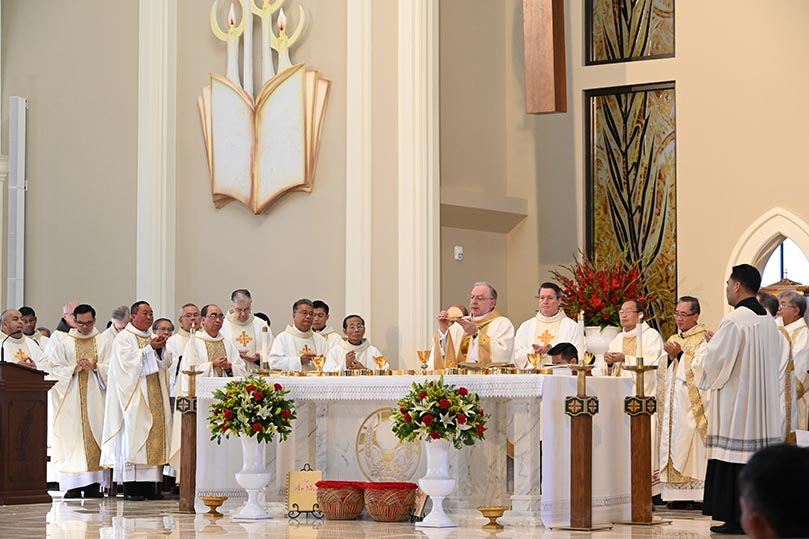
(253, 478)
(597, 340)
(437, 484)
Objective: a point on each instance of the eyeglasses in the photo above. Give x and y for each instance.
(85, 324)
(306, 313)
(191, 315)
(784, 304)
(479, 298)
(623, 312)
(215, 316)
(355, 328)
(683, 315)
(240, 310)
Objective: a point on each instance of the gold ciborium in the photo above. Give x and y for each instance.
(493, 512)
(533, 359)
(424, 358)
(380, 364)
(213, 503)
(319, 361)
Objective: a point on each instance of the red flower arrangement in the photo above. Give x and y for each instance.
(600, 291)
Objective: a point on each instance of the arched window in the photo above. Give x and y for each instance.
(786, 261)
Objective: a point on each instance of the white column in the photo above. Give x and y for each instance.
(3, 239)
(156, 206)
(419, 202)
(358, 158)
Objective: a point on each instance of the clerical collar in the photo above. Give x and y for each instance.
(292, 330)
(132, 329)
(634, 330)
(77, 335)
(795, 325)
(21, 340)
(326, 330)
(231, 316)
(752, 304)
(184, 333)
(698, 328)
(560, 314)
(205, 336)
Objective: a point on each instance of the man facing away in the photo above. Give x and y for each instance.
(245, 330)
(137, 417)
(484, 337)
(79, 364)
(549, 327)
(741, 369)
(353, 352)
(684, 421)
(297, 345)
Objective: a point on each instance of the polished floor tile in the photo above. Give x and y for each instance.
(115, 518)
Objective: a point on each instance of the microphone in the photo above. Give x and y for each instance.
(3, 349)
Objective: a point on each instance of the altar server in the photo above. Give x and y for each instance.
(354, 351)
(29, 320)
(294, 349)
(741, 368)
(320, 322)
(79, 364)
(549, 327)
(137, 417)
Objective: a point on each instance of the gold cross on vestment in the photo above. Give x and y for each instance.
(244, 338)
(546, 338)
(306, 351)
(21, 355)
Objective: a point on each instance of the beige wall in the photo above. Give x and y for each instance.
(297, 249)
(80, 75)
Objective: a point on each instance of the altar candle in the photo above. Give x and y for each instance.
(639, 352)
(265, 360)
(247, 65)
(233, 47)
(283, 42)
(581, 331)
(192, 352)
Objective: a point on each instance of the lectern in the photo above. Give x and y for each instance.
(23, 435)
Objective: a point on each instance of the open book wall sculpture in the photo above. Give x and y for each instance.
(261, 147)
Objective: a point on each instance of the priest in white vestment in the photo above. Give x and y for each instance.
(683, 410)
(29, 320)
(483, 338)
(17, 347)
(118, 320)
(741, 369)
(625, 350)
(250, 334)
(548, 328)
(137, 418)
(188, 318)
(79, 364)
(791, 309)
(294, 348)
(320, 323)
(353, 352)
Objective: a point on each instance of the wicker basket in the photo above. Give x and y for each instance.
(340, 500)
(390, 502)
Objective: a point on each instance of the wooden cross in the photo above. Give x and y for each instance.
(544, 42)
(546, 338)
(244, 339)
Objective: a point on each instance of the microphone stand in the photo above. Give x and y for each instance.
(3, 349)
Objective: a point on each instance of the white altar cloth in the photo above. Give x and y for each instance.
(332, 406)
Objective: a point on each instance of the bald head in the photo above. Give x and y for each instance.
(11, 323)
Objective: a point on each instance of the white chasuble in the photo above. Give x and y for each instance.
(175, 345)
(741, 369)
(799, 337)
(287, 348)
(79, 399)
(683, 420)
(492, 343)
(543, 330)
(365, 353)
(206, 349)
(22, 349)
(248, 336)
(137, 417)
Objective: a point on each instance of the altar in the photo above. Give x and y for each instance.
(343, 430)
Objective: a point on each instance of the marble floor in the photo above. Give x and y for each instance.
(116, 518)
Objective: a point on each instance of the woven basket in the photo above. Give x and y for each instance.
(340, 500)
(390, 502)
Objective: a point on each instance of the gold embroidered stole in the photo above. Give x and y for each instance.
(87, 349)
(215, 350)
(791, 437)
(484, 341)
(689, 344)
(628, 347)
(441, 360)
(800, 390)
(156, 440)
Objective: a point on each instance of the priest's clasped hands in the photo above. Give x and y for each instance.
(614, 357)
(222, 363)
(85, 364)
(351, 361)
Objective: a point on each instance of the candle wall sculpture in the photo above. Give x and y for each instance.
(260, 148)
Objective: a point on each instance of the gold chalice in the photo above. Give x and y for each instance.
(213, 503)
(533, 359)
(493, 512)
(424, 358)
(380, 364)
(319, 361)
